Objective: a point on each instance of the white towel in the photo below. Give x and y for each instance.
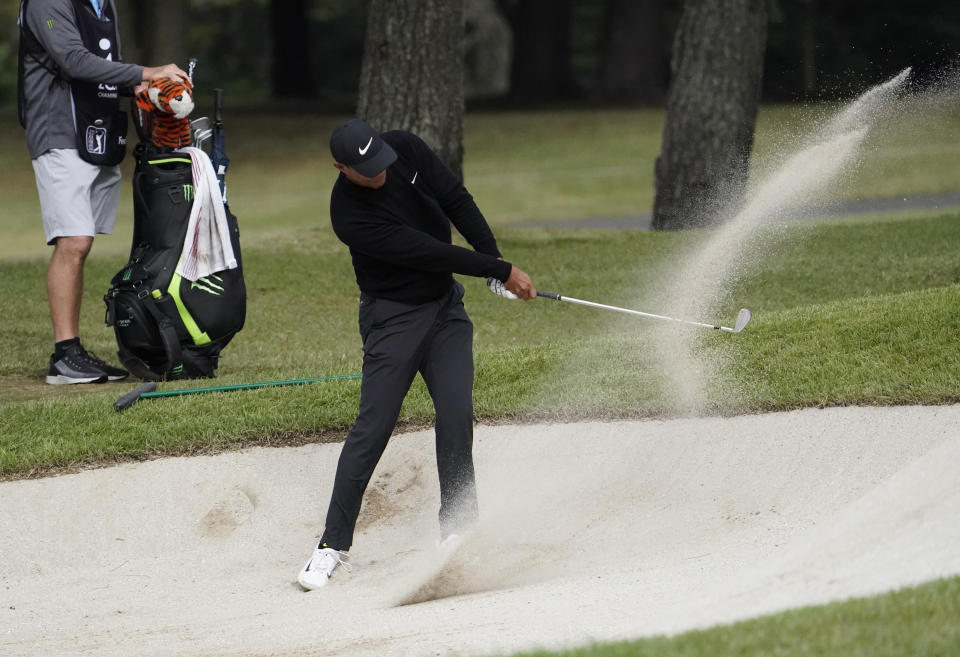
(206, 247)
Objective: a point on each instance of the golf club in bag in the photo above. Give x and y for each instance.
(167, 326)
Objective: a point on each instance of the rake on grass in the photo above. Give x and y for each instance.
(149, 390)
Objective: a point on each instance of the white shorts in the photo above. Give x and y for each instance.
(77, 198)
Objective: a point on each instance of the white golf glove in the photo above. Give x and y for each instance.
(497, 287)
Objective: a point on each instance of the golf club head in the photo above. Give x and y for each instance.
(201, 138)
(743, 318)
(200, 130)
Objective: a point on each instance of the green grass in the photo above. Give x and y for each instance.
(888, 349)
(520, 166)
(833, 325)
(919, 621)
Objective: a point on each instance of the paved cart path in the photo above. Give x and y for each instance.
(947, 201)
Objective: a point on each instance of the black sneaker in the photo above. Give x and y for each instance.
(113, 373)
(77, 365)
(74, 367)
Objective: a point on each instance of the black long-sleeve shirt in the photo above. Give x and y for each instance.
(399, 234)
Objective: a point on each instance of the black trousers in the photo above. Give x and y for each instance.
(399, 340)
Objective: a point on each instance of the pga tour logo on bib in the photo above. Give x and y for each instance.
(96, 138)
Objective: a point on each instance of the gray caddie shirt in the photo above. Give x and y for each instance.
(49, 109)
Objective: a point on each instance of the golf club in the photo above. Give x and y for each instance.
(200, 131)
(149, 390)
(743, 317)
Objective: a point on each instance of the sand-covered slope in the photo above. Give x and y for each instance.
(589, 531)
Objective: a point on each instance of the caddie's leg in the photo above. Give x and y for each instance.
(448, 371)
(393, 334)
(65, 285)
(67, 189)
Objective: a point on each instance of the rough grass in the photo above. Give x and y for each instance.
(912, 621)
(833, 325)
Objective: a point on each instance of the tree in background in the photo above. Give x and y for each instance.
(717, 72)
(565, 50)
(291, 69)
(411, 76)
(157, 31)
(633, 61)
(9, 39)
(823, 50)
(541, 50)
(488, 50)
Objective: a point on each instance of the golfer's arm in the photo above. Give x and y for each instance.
(407, 247)
(459, 206)
(470, 222)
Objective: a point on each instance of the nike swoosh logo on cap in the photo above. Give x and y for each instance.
(363, 151)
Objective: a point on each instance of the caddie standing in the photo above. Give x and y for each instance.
(70, 76)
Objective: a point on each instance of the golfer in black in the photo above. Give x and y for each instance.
(393, 205)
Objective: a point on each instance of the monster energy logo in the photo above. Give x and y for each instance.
(127, 272)
(50, 23)
(188, 192)
(177, 370)
(209, 284)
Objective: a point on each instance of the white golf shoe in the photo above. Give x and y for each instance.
(449, 544)
(317, 571)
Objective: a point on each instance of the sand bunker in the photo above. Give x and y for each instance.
(590, 531)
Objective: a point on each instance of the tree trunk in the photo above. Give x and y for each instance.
(717, 70)
(169, 30)
(541, 50)
(809, 41)
(291, 73)
(633, 64)
(126, 15)
(411, 77)
(152, 32)
(488, 50)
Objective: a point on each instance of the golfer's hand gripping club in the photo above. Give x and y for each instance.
(497, 287)
(517, 286)
(520, 284)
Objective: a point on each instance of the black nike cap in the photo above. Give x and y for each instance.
(360, 147)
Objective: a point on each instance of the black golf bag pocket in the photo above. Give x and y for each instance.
(168, 327)
(136, 330)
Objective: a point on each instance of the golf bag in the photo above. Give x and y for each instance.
(166, 326)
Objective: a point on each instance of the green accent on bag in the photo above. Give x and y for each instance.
(198, 336)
